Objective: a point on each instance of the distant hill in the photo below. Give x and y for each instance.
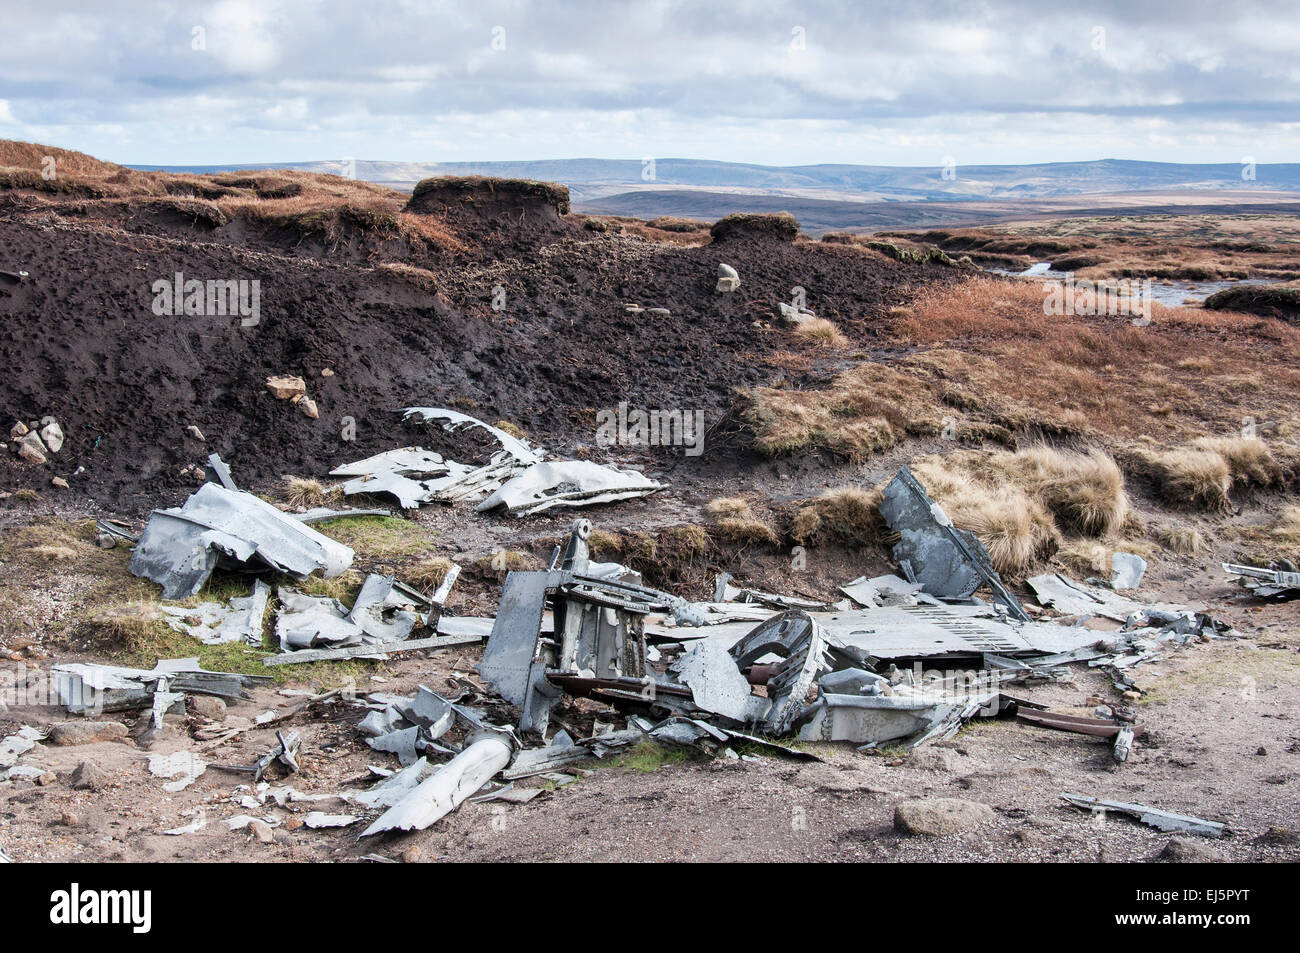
(589, 178)
(822, 197)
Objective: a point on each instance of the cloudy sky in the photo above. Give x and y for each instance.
(903, 82)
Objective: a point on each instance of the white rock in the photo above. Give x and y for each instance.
(30, 448)
(52, 434)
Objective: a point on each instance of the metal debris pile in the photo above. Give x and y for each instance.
(517, 477)
(1266, 583)
(88, 689)
(899, 662)
(221, 525)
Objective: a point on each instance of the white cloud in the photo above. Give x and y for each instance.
(398, 78)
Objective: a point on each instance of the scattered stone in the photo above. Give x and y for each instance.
(67, 733)
(214, 709)
(411, 855)
(105, 540)
(728, 279)
(1261, 751)
(89, 776)
(262, 831)
(660, 311)
(31, 449)
(292, 823)
(167, 734)
(1030, 837)
(790, 315)
(196, 433)
(308, 407)
(327, 372)
(61, 483)
(17, 430)
(70, 819)
(1132, 696)
(939, 817)
(931, 759)
(46, 778)
(1189, 850)
(1278, 837)
(52, 434)
(283, 388)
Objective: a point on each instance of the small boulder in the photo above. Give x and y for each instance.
(728, 279)
(286, 387)
(67, 733)
(89, 776)
(308, 407)
(30, 448)
(939, 817)
(17, 430)
(262, 831)
(931, 759)
(1189, 850)
(52, 434)
(790, 315)
(208, 706)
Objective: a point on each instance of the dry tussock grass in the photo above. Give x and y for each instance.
(1188, 476)
(413, 275)
(1184, 541)
(1287, 527)
(1085, 557)
(989, 358)
(303, 491)
(309, 202)
(735, 520)
(1084, 491)
(1249, 459)
(427, 574)
(820, 332)
(1203, 473)
(1016, 528)
(846, 514)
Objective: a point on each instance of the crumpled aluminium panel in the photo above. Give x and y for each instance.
(240, 621)
(414, 475)
(1266, 583)
(806, 656)
(948, 562)
(86, 688)
(180, 547)
(411, 474)
(876, 719)
(717, 684)
(519, 449)
(384, 611)
(544, 486)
